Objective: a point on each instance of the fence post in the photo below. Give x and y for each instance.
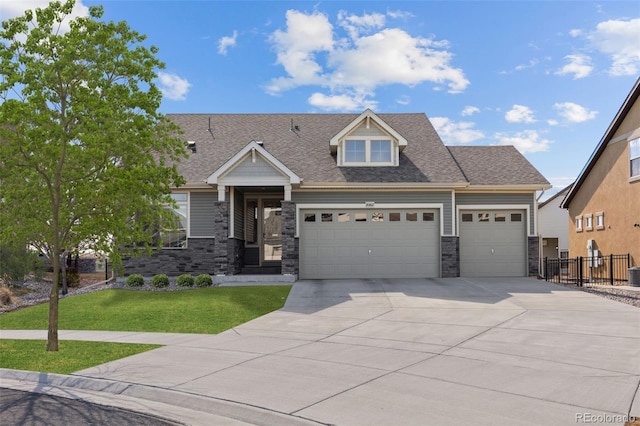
(611, 269)
(106, 269)
(580, 271)
(546, 269)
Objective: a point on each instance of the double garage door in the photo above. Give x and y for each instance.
(376, 243)
(493, 243)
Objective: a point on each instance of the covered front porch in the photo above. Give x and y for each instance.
(254, 215)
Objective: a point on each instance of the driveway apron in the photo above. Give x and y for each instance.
(488, 351)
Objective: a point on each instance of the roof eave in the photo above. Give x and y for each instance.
(519, 187)
(602, 145)
(381, 185)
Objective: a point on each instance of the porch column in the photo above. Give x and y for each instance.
(221, 233)
(290, 256)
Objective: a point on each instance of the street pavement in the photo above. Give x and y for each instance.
(489, 351)
(31, 408)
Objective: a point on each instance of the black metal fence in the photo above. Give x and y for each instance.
(603, 270)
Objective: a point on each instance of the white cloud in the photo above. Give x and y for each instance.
(399, 14)
(574, 113)
(469, 110)
(296, 48)
(355, 25)
(532, 63)
(226, 42)
(366, 56)
(525, 141)
(619, 39)
(519, 114)
(552, 122)
(575, 33)
(15, 8)
(340, 102)
(172, 86)
(452, 133)
(403, 100)
(579, 65)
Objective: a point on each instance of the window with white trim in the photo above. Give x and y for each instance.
(634, 157)
(371, 151)
(174, 234)
(578, 223)
(600, 220)
(588, 222)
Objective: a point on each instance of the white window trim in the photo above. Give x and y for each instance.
(579, 223)
(378, 206)
(633, 178)
(588, 222)
(599, 217)
(367, 141)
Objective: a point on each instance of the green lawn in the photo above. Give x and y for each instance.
(209, 310)
(72, 356)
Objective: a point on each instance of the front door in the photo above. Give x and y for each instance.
(271, 231)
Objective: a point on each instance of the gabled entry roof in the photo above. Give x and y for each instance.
(269, 170)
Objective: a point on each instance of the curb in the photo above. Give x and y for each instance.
(173, 405)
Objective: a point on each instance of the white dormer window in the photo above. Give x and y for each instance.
(367, 142)
(368, 152)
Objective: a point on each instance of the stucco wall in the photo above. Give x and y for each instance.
(608, 189)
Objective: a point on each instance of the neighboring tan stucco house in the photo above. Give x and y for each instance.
(604, 202)
(346, 196)
(553, 226)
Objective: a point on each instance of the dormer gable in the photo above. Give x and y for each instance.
(367, 141)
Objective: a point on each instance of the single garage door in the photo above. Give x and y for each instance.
(381, 243)
(493, 243)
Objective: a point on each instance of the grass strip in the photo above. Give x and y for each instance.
(73, 355)
(206, 311)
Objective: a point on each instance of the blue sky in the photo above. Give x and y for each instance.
(545, 76)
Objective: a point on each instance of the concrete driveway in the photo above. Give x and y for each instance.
(417, 351)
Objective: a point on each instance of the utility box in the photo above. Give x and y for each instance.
(634, 276)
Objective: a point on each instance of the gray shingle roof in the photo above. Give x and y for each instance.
(307, 152)
(496, 165)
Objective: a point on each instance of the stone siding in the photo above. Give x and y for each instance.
(450, 256)
(236, 256)
(290, 249)
(196, 259)
(533, 244)
(221, 232)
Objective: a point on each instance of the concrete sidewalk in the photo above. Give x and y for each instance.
(354, 352)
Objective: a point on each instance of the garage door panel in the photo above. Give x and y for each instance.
(495, 246)
(378, 248)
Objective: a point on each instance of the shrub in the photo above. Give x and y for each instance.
(203, 280)
(6, 297)
(16, 261)
(135, 280)
(160, 280)
(185, 280)
(73, 277)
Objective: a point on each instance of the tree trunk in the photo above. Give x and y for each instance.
(52, 335)
(63, 268)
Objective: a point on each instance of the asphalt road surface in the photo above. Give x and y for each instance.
(26, 408)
